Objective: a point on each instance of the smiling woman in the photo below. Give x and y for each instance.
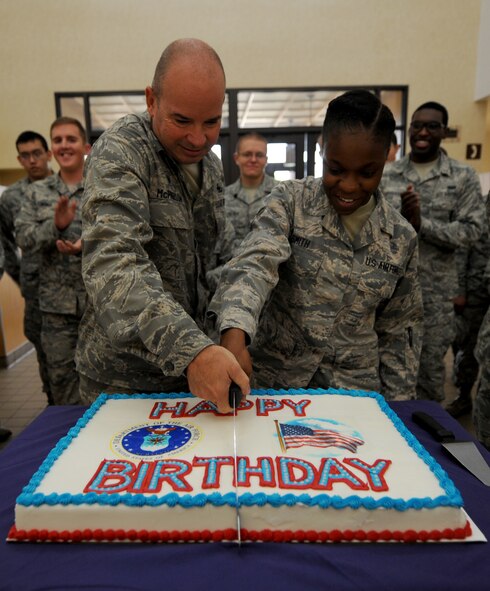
(325, 288)
(353, 169)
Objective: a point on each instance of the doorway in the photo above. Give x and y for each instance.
(290, 155)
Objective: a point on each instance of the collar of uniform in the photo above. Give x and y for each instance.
(441, 166)
(265, 187)
(234, 188)
(444, 164)
(210, 172)
(157, 146)
(315, 200)
(210, 162)
(378, 223)
(53, 181)
(404, 168)
(60, 185)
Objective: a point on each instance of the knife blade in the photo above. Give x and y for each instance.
(234, 399)
(465, 452)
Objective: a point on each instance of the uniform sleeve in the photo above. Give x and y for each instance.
(466, 224)
(224, 249)
(399, 326)
(131, 305)
(2, 257)
(249, 278)
(486, 277)
(462, 258)
(7, 238)
(34, 227)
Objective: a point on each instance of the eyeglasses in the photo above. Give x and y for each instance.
(249, 155)
(429, 125)
(35, 155)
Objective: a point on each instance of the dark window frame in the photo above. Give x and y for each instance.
(232, 132)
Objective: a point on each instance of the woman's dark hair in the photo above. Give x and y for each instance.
(359, 109)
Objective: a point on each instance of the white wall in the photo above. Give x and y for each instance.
(87, 45)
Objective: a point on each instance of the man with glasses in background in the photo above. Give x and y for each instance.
(49, 224)
(4, 433)
(245, 197)
(442, 199)
(34, 156)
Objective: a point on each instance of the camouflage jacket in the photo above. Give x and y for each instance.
(325, 299)
(452, 216)
(240, 211)
(482, 351)
(2, 257)
(472, 261)
(28, 267)
(61, 289)
(147, 246)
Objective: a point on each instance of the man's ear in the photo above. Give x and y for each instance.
(151, 100)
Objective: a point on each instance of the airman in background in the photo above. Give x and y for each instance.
(470, 306)
(441, 198)
(245, 197)
(34, 156)
(49, 224)
(481, 414)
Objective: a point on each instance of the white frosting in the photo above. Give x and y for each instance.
(407, 476)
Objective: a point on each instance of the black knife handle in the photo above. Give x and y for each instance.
(234, 396)
(430, 425)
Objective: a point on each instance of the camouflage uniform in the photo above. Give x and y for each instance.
(10, 204)
(481, 414)
(471, 263)
(4, 433)
(61, 291)
(343, 314)
(451, 217)
(7, 234)
(240, 210)
(148, 243)
(2, 256)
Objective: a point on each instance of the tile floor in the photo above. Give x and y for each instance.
(22, 399)
(21, 395)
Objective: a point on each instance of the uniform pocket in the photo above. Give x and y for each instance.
(377, 286)
(168, 214)
(303, 262)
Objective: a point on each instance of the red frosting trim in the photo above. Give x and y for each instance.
(266, 535)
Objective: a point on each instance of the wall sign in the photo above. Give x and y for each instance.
(473, 151)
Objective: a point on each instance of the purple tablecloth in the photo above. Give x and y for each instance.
(256, 567)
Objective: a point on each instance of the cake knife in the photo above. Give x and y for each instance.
(234, 399)
(465, 452)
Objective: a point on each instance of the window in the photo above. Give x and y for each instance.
(289, 117)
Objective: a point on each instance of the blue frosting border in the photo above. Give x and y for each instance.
(450, 498)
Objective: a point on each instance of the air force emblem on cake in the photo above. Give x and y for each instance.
(318, 437)
(155, 441)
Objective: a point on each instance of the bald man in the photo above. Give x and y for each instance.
(152, 215)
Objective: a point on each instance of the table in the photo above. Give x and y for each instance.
(256, 567)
